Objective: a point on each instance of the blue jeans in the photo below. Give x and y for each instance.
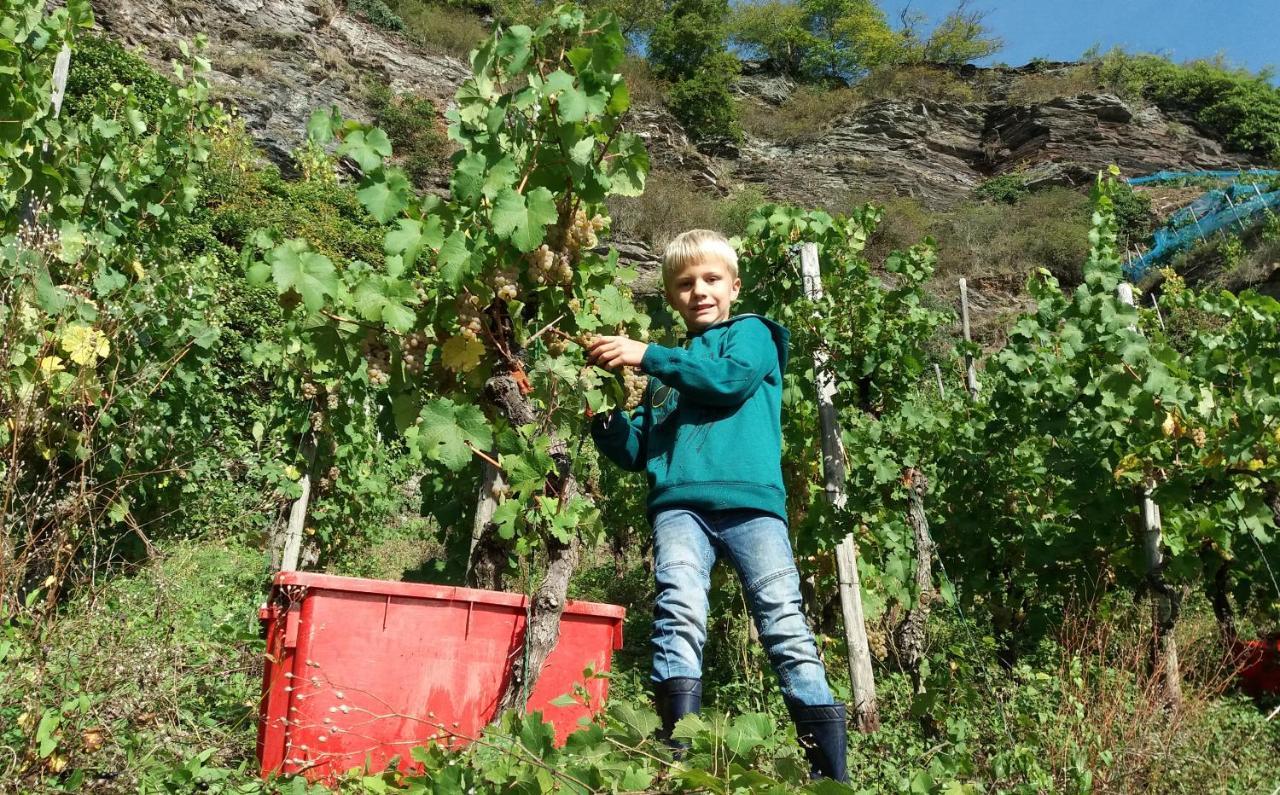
(686, 545)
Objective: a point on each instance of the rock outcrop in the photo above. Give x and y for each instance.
(279, 60)
(938, 152)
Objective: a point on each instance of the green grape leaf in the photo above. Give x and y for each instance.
(468, 178)
(514, 46)
(523, 219)
(385, 198)
(455, 259)
(501, 174)
(505, 518)
(614, 307)
(446, 430)
(367, 148)
(628, 166)
(408, 239)
(295, 267)
(320, 125)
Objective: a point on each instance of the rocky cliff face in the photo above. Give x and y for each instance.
(939, 151)
(278, 60)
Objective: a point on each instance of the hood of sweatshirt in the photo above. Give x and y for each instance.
(781, 337)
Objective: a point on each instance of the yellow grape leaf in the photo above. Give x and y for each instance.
(461, 354)
(1127, 464)
(84, 344)
(50, 365)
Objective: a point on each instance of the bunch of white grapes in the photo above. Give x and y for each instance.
(550, 267)
(309, 391)
(505, 284)
(414, 351)
(634, 382)
(469, 317)
(582, 232)
(378, 361)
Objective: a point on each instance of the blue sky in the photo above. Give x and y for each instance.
(1247, 32)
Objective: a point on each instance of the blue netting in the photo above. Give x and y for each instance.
(1216, 209)
(1173, 176)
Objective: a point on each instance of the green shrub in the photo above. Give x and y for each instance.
(688, 38)
(704, 104)
(376, 12)
(1134, 217)
(1243, 108)
(96, 63)
(1006, 188)
(816, 40)
(142, 672)
(413, 125)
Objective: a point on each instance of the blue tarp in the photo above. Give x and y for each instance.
(1217, 209)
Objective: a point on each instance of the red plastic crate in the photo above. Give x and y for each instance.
(358, 671)
(1258, 665)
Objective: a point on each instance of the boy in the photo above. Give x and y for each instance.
(708, 433)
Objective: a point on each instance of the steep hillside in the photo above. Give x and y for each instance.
(930, 139)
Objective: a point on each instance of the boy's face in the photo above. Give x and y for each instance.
(702, 292)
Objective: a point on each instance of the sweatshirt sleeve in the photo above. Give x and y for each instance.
(720, 378)
(621, 438)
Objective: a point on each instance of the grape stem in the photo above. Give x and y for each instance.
(563, 336)
(549, 327)
(484, 455)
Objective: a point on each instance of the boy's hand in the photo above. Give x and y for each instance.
(614, 353)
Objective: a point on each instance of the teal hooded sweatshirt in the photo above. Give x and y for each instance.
(708, 431)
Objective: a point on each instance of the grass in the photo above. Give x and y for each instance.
(1042, 87)
(803, 117)
(140, 671)
(451, 30)
(151, 667)
(672, 203)
(644, 87)
(918, 82)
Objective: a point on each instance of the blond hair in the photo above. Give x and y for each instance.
(692, 246)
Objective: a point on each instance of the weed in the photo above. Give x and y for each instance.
(451, 30)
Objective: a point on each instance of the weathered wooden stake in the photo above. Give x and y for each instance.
(866, 712)
(293, 532)
(911, 633)
(937, 372)
(482, 569)
(1164, 602)
(970, 371)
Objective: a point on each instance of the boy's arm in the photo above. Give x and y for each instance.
(726, 378)
(621, 438)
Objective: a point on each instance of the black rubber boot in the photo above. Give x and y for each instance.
(824, 735)
(675, 698)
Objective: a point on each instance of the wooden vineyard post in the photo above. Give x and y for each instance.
(1164, 603)
(970, 371)
(293, 532)
(865, 710)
